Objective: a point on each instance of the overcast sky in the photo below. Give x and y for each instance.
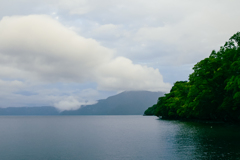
(67, 53)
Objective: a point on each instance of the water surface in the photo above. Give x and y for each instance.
(114, 138)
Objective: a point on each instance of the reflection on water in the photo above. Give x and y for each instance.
(115, 138)
(195, 140)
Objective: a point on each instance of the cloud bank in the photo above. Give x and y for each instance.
(41, 49)
(38, 49)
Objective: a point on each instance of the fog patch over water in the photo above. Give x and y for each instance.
(71, 103)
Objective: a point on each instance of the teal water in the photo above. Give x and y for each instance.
(114, 138)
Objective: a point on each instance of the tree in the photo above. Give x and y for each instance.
(213, 90)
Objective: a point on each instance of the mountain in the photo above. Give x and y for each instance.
(45, 110)
(125, 103)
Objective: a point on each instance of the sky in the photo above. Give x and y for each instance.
(69, 53)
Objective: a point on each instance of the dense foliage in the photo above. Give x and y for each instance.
(212, 92)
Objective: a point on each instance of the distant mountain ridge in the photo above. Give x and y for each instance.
(125, 103)
(44, 110)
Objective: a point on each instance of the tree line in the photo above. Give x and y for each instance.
(212, 91)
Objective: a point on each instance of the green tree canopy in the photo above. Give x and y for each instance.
(213, 89)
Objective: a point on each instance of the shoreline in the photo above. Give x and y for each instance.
(201, 121)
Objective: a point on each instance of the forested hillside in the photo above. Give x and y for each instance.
(212, 92)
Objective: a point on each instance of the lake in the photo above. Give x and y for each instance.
(115, 138)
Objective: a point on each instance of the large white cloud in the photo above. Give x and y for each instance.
(122, 74)
(39, 48)
(42, 47)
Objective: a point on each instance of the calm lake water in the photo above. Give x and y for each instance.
(114, 138)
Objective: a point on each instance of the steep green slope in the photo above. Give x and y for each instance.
(213, 89)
